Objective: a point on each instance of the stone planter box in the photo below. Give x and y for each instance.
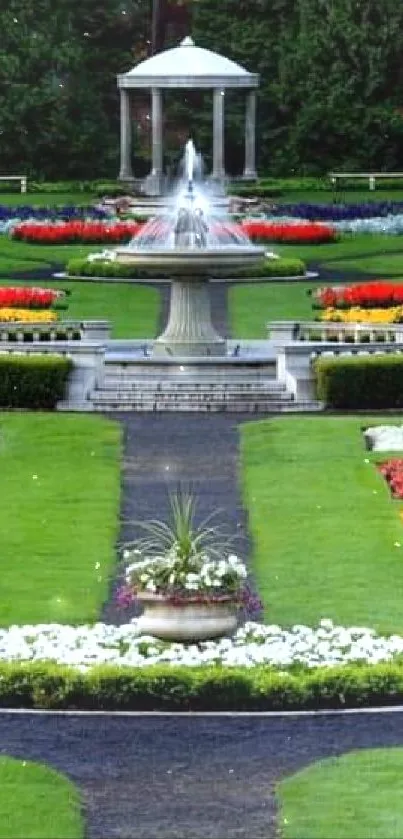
(189, 620)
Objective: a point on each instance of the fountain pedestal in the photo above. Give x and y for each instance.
(189, 331)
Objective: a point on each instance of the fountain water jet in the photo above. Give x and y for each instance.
(191, 242)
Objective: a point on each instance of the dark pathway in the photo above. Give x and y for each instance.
(198, 451)
(187, 777)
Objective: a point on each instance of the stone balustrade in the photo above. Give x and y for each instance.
(287, 331)
(295, 369)
(66, 330)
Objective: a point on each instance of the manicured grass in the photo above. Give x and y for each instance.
(339, 196)
(348, 247)
(59, 505)
(380, 265)
(322, 521)
(132, 310)
(44, 199)
(24, 256)
(251, 307)
(37, 803)
(355, 796)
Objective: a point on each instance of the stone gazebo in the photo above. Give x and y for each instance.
(186, 66)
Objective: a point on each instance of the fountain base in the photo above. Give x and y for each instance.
(189, 331)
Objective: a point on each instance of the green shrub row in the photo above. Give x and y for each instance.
(163, 688)
(97, 188)
(360, 382)
(99, 268)
(33, 381)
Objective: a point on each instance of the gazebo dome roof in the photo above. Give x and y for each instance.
(188, 66)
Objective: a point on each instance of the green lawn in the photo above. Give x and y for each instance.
(355, 796)
(132, 310)
(44, 199)
(59, 508)
(37, 803)
(25, 256)
(386, 264)
(322, 522)
(251, 306)
(339, 196)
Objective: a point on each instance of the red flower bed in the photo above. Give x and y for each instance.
(28, 298)
(372, 295)
(392, 471)
(307, 233)
(85, 232)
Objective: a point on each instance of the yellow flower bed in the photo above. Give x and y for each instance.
(9, 315)
(357, 315)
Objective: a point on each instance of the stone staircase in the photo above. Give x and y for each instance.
(210, 388)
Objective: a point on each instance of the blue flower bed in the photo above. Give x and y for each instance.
(24, 212)
(338, 212)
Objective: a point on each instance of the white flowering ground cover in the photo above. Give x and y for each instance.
(385, 438)
(254, 644)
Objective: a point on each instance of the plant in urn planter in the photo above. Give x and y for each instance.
(191, 586)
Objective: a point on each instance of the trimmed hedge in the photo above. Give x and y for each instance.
(108, 268)
(163, 688)
(33, 381)
(360, 382)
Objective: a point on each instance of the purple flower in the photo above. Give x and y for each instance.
(125, 597)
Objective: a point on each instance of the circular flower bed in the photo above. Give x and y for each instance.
(288, 232)
(68, 212)
(253, 644)
(339, 212)
(84, 232)
(394, 314)
(26, 297)
(369, 295)
(10, 315)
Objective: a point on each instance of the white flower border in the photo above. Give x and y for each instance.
(253, 644)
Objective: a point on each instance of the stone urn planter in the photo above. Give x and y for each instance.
(188, 619)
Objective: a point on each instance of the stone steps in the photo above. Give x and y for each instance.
(180, 388)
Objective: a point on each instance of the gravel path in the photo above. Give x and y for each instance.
(199, 452)
(187, 777)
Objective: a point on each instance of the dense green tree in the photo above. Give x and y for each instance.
(331, 77)
(59, 104)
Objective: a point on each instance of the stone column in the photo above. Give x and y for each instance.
(153, 181)
(250, 136)
(125, 173)
(218, 134)
(156, 116)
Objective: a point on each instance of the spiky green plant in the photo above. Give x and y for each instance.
(181, 533)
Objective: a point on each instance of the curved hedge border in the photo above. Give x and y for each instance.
(164, 688)
(108, 268)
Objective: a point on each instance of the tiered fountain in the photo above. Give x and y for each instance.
(192, 242)
(189, 366)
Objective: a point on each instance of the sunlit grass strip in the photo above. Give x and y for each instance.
(59, 506)
(36, 802)
(327, 539)
(355, 796)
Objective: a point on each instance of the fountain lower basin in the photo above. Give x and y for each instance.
(192, 262)
(189, 331)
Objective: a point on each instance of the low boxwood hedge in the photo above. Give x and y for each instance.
(33, 381)
(170, 688)
(360, 382)
(108, 268)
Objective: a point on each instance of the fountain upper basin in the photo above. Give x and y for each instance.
(192, 261)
